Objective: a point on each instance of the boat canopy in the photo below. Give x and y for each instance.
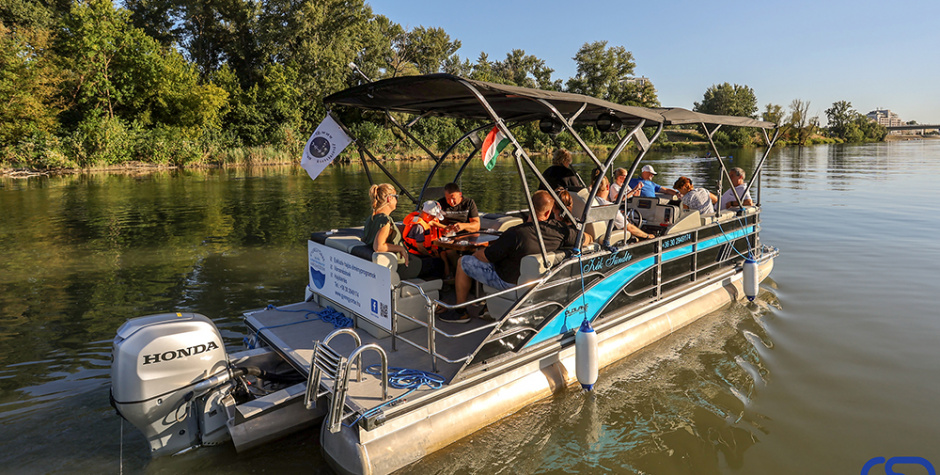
(503, 106)
(448, 95)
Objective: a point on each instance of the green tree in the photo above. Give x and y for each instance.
(802, 126)
(115, 68)
(607, 73)
(840, 115)
(483, 69)
(28, 85)
(773, 113)
(725, 99)
(524, 70)
(32, 14)
(427, 48)
(318, 40)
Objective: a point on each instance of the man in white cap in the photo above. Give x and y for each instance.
(648, 188)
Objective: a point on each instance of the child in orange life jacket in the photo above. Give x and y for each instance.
(421, 229)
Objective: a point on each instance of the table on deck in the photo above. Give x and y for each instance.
(466, 242)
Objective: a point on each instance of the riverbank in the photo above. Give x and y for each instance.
(902, 138)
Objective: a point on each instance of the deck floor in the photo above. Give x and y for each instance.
(292, 332)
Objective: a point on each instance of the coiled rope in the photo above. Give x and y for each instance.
(401, 378)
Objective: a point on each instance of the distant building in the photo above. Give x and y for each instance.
(885, 117)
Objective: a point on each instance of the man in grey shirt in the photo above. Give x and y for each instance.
(694, 198)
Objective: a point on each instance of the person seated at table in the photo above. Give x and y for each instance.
(698, 199)
(619, 221)
(497, 265)
(383, 235)
(460, 213)
(560, 173)
(648, 187)
(422, 227)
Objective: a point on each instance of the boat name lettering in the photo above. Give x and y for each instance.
(610, 261)
(677, 240)
(179, 353)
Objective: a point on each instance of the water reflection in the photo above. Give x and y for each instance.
(680, 406)
(83, 253)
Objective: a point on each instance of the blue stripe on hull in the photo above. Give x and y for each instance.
(596, 298)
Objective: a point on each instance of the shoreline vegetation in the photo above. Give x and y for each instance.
(260, 159)
(102, 85)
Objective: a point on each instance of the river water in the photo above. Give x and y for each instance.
(834, 364)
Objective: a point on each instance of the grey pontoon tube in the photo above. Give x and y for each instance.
(519, 152)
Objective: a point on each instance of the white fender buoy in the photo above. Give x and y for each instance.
(750, 279)
(585, 355)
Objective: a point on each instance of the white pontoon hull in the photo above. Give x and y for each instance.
(475, 404)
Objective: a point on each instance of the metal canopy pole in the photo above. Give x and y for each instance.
(760, 164)
(638, 132)
(362, 148)
(723, 167)
(636, 161)
(438, 163)
(589, 203)
(410, 136)
(571, 130)
(520, 154)
(390, 176)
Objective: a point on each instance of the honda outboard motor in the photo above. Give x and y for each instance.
(168, 379)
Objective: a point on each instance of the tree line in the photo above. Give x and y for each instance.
(88, 83)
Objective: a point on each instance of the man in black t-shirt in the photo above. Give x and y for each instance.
(497, 265)
(460, 213)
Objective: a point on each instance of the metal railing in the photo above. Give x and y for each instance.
(431, 306)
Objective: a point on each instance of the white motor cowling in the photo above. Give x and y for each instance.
(162, 366)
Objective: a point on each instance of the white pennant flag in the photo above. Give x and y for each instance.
(324, 145)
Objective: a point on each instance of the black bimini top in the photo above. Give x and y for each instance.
(447, 95)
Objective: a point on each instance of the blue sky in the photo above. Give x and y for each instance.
(872, 54)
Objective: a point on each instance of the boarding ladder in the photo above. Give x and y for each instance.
(336, 367)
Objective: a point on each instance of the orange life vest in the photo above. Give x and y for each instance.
(412, 220)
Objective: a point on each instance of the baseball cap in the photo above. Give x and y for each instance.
(433, 208)
(648, 168)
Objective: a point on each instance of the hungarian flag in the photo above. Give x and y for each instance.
(495, 142)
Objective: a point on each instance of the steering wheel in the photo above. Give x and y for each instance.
(634, 217)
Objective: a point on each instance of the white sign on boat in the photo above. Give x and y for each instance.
(357, 284)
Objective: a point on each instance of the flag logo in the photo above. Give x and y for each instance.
(319, 147)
